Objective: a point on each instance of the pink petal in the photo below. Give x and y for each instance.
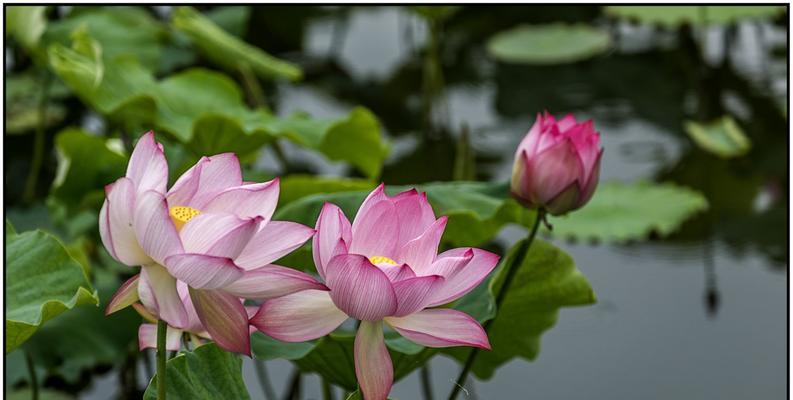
(553, 170)
(154, 229)
(375, 231)
(591, 183)
(193, 323)
(157, 291)
(273, 241)
(396, 273)
(415, 214)
(566, 123)
(147, 337)
(333, 236)
(271, 281)
(359, 288)
(147, 166)
(298, 317)
(115, 224)
(529, 143)
(420, 252)
(257, 200)
(205, 180)
(441, 327)
(413, 294)
(224, 317)
(463, 269)
(125, 296)
(373, 366)
(202, 271)
(221, 235)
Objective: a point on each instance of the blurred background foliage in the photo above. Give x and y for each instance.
(696, 151)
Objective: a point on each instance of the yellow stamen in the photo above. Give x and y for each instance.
(382, 260)
(181, 214)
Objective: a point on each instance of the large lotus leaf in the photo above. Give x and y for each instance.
(121, 31)
(333, 358)
(205, 373)
(548, 44)
(722, 137)
(119, 88)
(265, 348)
(546, 281)
(86, 163)
(79, 349)
(620, 212)
(671, 16)
(294, 187)
(26, 24)
(42, 281)
(229, 51)
(23, 93)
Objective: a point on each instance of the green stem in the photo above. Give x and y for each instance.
(512, 268)
(327, 390)
(294, 386)
(38, 142)
(264, 379)
(426, 382)
(34, 384)
(162, 327)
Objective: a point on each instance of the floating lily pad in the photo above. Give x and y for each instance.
(548, 44)
(722, 137)
(620, 212)
(671, 16)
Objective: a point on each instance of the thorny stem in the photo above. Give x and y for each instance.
(512, 269)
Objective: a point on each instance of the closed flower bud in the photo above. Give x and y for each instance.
(557, 164)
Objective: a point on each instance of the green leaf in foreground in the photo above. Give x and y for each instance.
(548, 44)
(546, 281)
(205, 373)
(26, 24)
(722, 137)
(86, 163)
(620, 212)
(229, 51)
(42, 281)
(671, 16)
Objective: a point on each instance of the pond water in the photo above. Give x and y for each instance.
(701, 314)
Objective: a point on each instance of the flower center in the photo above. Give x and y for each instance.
(181, 214)
(379, 260)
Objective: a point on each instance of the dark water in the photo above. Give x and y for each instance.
(699, 315)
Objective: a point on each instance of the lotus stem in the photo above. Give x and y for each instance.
(161, 355)
(512, 268)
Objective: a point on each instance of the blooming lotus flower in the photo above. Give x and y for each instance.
(147, 332)
(383, 268)
(557, 164)
(210, 230)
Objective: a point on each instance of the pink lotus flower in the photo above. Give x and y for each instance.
(384, 267)
(147, 332)
(210, 230)
(557, 164)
